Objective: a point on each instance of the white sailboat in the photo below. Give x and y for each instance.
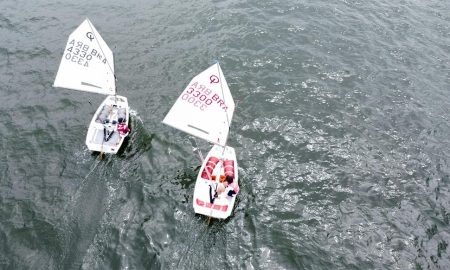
(205, 109)
(88, 65)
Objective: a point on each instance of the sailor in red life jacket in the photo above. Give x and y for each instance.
(231, 186)
(123, 129)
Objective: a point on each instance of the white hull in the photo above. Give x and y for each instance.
(95, 139)
(223, 205)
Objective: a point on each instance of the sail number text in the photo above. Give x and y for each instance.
(80, 53)
(200, 96)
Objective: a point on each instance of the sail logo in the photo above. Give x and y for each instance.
(213, 79)
(90, 36)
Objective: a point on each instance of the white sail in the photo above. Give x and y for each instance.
(87, 63)
(205, 107)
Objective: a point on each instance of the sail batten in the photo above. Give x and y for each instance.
(199, 129)
(90, 84)
(87, 63)
(205, 107)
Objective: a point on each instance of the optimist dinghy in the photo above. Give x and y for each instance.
(205, 109)
(88, 65)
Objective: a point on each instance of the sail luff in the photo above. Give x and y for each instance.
(110, 65)
(222, 79)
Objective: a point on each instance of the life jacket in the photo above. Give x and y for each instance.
(123, 128)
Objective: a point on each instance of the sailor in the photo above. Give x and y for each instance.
(215, 189)
(123, 129)
(231, 186)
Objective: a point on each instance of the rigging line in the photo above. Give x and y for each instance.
(104, 55)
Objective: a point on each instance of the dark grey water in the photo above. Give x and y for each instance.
(341, 131)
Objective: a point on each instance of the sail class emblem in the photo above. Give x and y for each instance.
(90, 36)
(213, 79)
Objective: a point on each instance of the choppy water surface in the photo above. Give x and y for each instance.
(341, 131)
